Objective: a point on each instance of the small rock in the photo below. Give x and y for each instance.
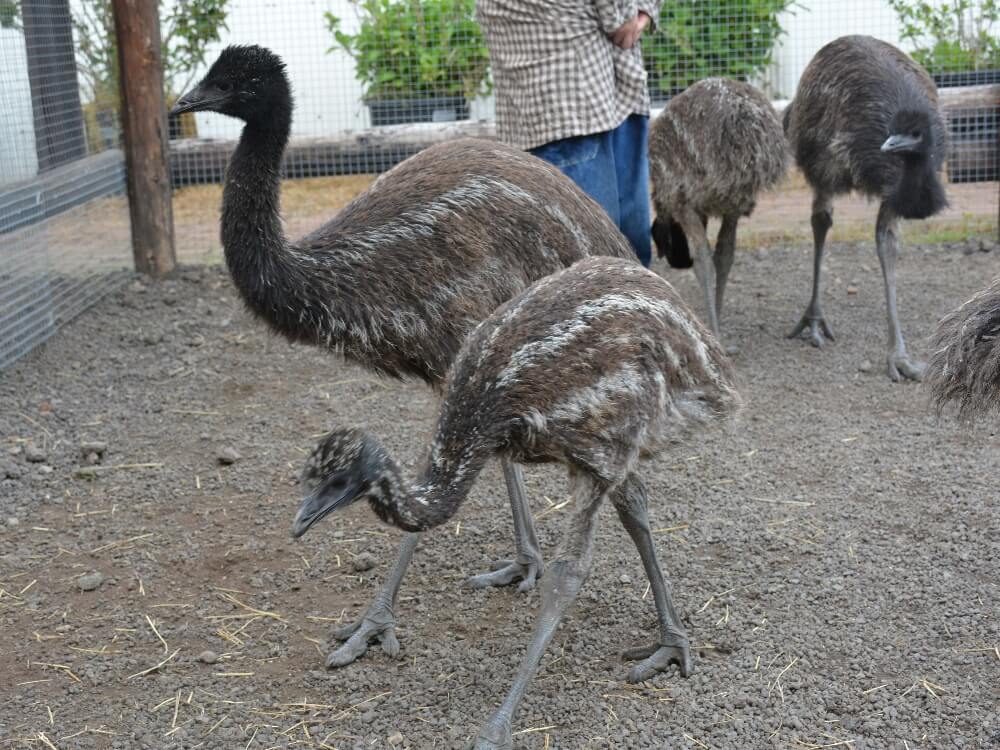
(45, 469)
(10, 471)
(90, 581)
(208, 657)
(93, 446)
(852, 289)
(625, 578)
(732, 350)
(865, 366)
(761, 254)
(364, 561)
(13, 522)
(228, 455)
(34, 454)
(396, 738)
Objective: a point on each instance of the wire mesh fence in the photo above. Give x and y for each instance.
(374, 81)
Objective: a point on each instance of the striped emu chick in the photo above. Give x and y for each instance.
(712, 150)
(397, 279)
(866, 118)
(965, 367)
(593, 367)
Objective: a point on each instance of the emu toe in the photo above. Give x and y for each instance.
(494, 735)
(378, 625)
(657, 658)
(506, 572)
(902, 367)
(818, 329)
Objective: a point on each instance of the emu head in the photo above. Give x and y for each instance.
(671, 242)
(345, 466)
(247, 82)
(911, 135)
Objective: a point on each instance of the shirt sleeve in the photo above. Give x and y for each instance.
(613, 13)
(652, 9)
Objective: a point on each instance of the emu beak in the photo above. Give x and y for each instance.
(194, 100)
(322, 501)
(897, 143)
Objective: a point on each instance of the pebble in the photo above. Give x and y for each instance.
(93, 446)
(13, 522)
(732, 350)
(364, 561)
(90, 581)
(865, 366)
(228, 455)
(34, 454)
(10, 470)
(852, 290)
(625, 578)
(396, 738)
(208, 657)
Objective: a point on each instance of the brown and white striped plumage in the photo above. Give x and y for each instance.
(712, 150)
(592, 367)
(965, 367)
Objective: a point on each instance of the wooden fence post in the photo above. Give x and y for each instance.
(144, 123)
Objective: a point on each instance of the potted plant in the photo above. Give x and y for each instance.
(701, 38)
(188, 27)
(419, 60)
(957, 42)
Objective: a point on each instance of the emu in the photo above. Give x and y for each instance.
(866, 118)
(711, 151)
(592, 367)
(965, 366)
(398, 278)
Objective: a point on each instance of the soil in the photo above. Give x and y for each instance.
(836, 555)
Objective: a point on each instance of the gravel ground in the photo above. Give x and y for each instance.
(836, 555)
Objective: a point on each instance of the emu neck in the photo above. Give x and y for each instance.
(252, 235)
(919, 193)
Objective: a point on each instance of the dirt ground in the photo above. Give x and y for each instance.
(836, 556)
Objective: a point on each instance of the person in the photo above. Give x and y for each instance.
(571, 88)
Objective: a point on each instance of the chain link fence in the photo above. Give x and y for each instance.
(374, 81)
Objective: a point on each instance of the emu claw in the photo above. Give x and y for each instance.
(506, 572)
(656, 657)
(818, 329)
(378, 624)
(901, 367)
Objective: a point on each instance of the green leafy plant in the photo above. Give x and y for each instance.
(953, 36)
(701, 38)
(416, 48)
(10, 14)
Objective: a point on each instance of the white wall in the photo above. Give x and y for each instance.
(18, 160)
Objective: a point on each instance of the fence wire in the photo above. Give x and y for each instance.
(374, 81)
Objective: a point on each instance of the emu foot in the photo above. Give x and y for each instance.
(494, 735)
(901, 367)
(506, 572)
(656, 657)
(378, 624)
(818, 327)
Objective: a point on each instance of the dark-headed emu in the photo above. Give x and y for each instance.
(711, 151)
(399, 277)
(965, 366)
(866, 118)
(592, 367)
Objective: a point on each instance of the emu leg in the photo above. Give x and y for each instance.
(672, 646)
(822, 220)
(527, 564)
(887, 245)
(379, 621)
(725, 249)
(560, 585)
(704, 266)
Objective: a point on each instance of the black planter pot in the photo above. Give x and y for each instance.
(429, 109)
(967, 78)
(972, 131)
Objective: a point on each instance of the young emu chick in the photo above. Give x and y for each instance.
(711, 151)
(592, 367)
(866, 118)
(965, 366)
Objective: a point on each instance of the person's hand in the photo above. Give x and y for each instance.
(626, 35)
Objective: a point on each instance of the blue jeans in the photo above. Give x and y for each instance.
(613, 169)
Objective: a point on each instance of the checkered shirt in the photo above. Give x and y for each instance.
(556, 72)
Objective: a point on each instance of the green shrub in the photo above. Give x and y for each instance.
(416, 48)
(701, 38)
(953, 36)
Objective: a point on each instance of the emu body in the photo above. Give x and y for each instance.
(398, 278)
(712, 150)
(593, 367)
(865, 118)
(965, 367)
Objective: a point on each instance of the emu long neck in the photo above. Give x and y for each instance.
(256, 249)
(919, 193)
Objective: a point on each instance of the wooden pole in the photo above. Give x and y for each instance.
(144, 123)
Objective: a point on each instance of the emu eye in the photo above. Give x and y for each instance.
(224, 85)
